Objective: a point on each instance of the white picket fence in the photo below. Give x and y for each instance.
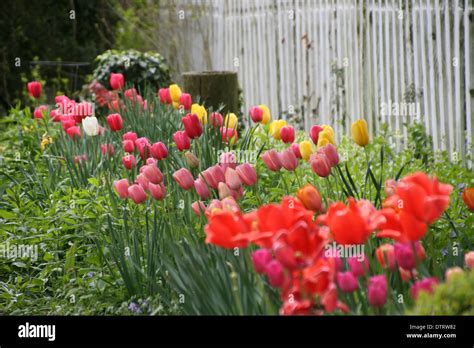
(334, 61)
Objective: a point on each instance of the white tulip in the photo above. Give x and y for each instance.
(91, 126)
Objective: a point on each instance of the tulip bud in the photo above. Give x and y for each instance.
(153, 173)
(232, 179)
(377, 291)
(201, 188)
(314, 133)
(274, 271)
(230, 121)
(468, 198)
(182, 140)
(347, 282)
(469, 260)
(159, 150)
(271, 158)
(137, 193)
(40, 111)
(198, 208)
(185, 100)
(306, 150)
(34, 89)
(320, 165)
(192, 126)
(386, 256)
(425, 285)
(121, 186)
(287, 134)
(260, 259)
(184, 178)
(129, 161)
(91, 126)
(128, 146)
(175, 92)
(310, 197)
(451, 273)
(191, 159)
(256, 114)
(288, 159)
(115, 122)
(247, 174)
(130, 136)
(223, 190)
(360, 133)
(116, 81)
(216, 119)
(157, 191)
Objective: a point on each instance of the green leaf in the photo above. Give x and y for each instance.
(70, 258)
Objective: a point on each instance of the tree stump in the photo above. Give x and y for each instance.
(215, 89)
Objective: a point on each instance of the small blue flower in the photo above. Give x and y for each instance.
(133, 307)
(444, 251)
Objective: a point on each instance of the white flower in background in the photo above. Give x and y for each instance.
(91, 126)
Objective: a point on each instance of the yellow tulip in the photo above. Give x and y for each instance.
(360, 132)
(200, 112)
(175, 93)
(176, 105)
(230, 121)
(266, 114)
(326, 136)
(329, 129)
(275, 127)
(306, 149)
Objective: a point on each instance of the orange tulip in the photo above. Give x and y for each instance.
(468, 198)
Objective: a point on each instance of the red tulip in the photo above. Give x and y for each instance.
(39, 111)
(271, 158)
(288, 160)
(137, 193)
(184, 178)
(129, 161)
(128, 146)
(157, 191)
(130, 136)
(314, 133)
(73, 131)
(201, 188)
(116, 81)
(320, 164)
(256, 113)
(287, 134)
(247, 174)
(121, 186)
(153, 173)
(216, 119)
(386, 256)
(296, 150)
(182, 140)
(192, 126)
(159, 150)
(377, 291)
(115, 122)
(185, 100)
(164, 95)
(34, 89)
(260, 259)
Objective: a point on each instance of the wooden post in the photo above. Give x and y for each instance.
(215, 88)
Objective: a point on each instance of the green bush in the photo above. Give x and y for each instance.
(455, 297)
(139, 69)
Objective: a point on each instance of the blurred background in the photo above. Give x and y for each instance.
(392, 62)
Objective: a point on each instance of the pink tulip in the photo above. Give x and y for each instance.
(320, 164)
(157, 191)
(256, 113)
(230, 204)
(228, 134)
(232, 179)
(115, 122)
(137, 193)
(247, 174)
(215, 204)
(67, 122)
(227, 159)
(182, 140)
(121, 186)
(274, 271)
(288, 159)
(223, 190)
(116, 81)
(192, 126)
(128, 146)
(130, 94)
(80, 158)
(314, 133)
(358, 267)
(153, 173)
(130, 136)
(347, 282)
(144, 149)
(129, 161)
(184, 178)
(38, 113)
(425, 285)
(331, 153)
(198, 207)
(377, 291)
(185, 100)
(143, 181)
(287, 134)
(214, 175)
(216, 119)
(159, 150)
(405, 256)
(107, 149)
(34, 89)
(296, 150)
(201, 188)
(271, 158)
(390, 186)
(260, 259)
(151, 161)
(469, 260)
(165, 96)
(73, 132)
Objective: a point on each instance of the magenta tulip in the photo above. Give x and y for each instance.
(347, 282)
(256, 113)
(377, 291)
(260, 259)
